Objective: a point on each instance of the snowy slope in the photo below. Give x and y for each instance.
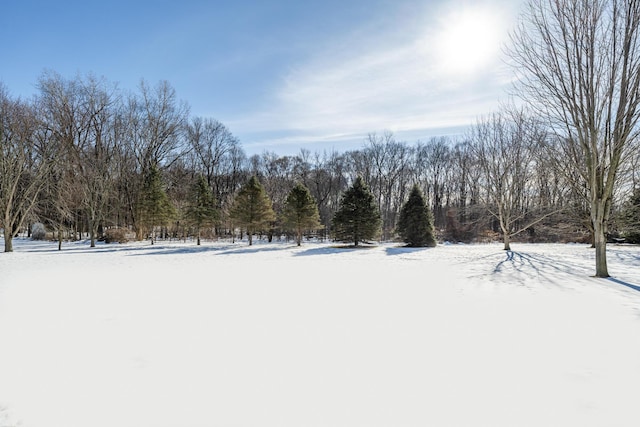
(275, 335)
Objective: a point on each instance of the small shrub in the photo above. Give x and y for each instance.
(116, 235)
(38, 232)
(632, 237)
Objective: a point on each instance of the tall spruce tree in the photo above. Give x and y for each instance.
(301, 211)
(252, 208)
(358, 217)
(154, 208)
(630, 218)
(415, 224)
(201, 211)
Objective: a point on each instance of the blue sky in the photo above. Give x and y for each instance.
(282, 75)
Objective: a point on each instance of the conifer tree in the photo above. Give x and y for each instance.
(358, 217)
(252, 208)
(301, 211)
(630, 218)
(415, 224)
(201, 211)
(154, 208)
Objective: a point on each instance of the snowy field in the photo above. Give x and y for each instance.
(175, 335)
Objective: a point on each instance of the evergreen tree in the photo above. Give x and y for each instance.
(415, 224)
(252, 208)
(630, 218)
(154, 207)
(358, 217)
(301, 211)
(201, 211)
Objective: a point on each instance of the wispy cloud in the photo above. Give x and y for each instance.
(400, 81)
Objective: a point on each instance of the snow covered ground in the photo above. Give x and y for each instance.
(275, 335)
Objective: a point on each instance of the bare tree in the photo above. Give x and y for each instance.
(81, 114)
(579, 63)
(384, 164)
(233, 174)
(463, 212)
(156, 121)
(217, 155)
(211, 142)
(277, 174)
(324, 175)
(505, 146)
(433, 170)
(160, 119)
(26, 158)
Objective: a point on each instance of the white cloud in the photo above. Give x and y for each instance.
(404, 82)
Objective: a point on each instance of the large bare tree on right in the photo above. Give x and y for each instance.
(579, 63)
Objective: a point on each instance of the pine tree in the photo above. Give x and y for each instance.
(415, 224)
(154, 207)
(301, 211)
(201, 211)
(252, 208)
(358, 217)
(630, 218)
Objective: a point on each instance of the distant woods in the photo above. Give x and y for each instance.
(91, 161)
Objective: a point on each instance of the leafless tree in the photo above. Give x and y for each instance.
(579, 63)
(210, 141)
(159, 118)
(463, 212)
(26, 159)
(156, 123)
(396, 181)
(433, 172)
(324, 174)
(278, 178)
(384, 164)
(218, 156)
(505, 145)
(82, 115)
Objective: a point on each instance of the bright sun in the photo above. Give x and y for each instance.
(468, 40)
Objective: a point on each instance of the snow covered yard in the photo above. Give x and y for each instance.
(275, 335)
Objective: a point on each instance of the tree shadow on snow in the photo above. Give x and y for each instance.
(544, 267)
(403, 250)
(325, 250)
(253, 249)
(623, 283)
(182, 250)
(624, 256)
(334, 249)
(550, 269)
(72, 249)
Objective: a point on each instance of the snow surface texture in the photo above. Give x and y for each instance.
(277, 335)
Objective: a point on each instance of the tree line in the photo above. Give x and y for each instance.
(86, 158)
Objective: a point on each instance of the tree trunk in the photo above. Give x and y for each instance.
(507, 240)
(8, 242)
(600, 238)
(92, 232)
(506, 236)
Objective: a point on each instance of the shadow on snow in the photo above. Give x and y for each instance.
(623, 283)
(403, 250)
(541, 265)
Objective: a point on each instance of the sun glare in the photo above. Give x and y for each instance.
(468, 40)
